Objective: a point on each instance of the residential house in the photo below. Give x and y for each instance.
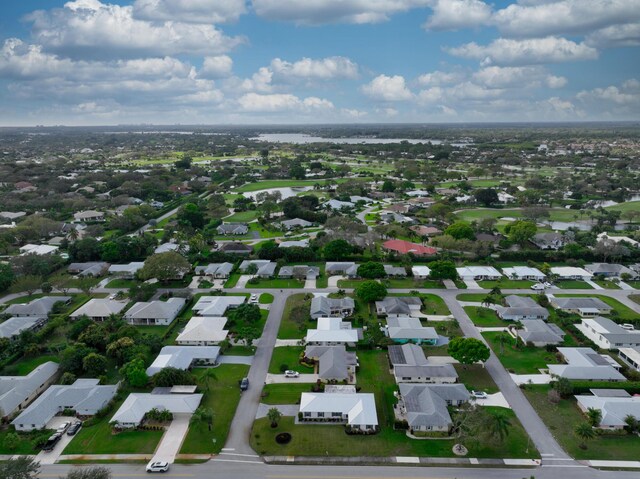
(405, 329)
(615, 406)
(607, 334)
(203, 331)
(524, 272)
(425, 406)
(493, 238)
(549, 241)
(393, 217)
(40, 307)
(232, 229)
(410, 365)
(571, 273)
(321, 306)
(92, 268)
(215, 270)
(171, 248)
(479, 273)
(617, 239)
(540, 333)
(521, 308)
(417, 193)
(395, 271)
(425, 231)
(264, 268)
(126, 271)
(303, 243)
(346, 268)
(584, 306)
(340, 404)
(609, 270)
(584, 364)
(217, 305)
(631, 357)
(12, 327)
(134, 409)
(38, 249)
(88, 216)
(399, 306)
(332, 331)
(99, 309)
(335, 363)
(339, 205)
(236, 248)
(406, 247)
(364, 199)
(85, 396)
(420, 272)
(299, 272)
(17, 392)
(156, 313)
(183, 357)
(294, 223)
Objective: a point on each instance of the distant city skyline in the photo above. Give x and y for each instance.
(93, 62)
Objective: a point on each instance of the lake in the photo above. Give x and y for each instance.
(286, 192)
(302, 139)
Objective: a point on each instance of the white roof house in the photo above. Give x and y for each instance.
(630, 356)
(126, 270)
(155, 312)
(587, 365)
(571, 272)
(16, 392)
(610, 270)
(339, 205)
(614, 404)
(524, 272)
(217, 270)
(303, 243)
(39, 307)
(607, 334)
(356, 409)
(404, 329)
(85, 396)
(217, 305)
(478, 273)
(264, 267)
(38, 249)
(333, 331)
(617, 239)
(12, 327)
(203, 331)
(583, 305)
(420, 272)
(183, 357)
(134, 408)
(99, 309)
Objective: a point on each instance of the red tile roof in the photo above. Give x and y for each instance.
(404, 247)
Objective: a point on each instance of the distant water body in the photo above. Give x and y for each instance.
(302, 139)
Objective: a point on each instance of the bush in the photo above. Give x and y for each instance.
(284, 367)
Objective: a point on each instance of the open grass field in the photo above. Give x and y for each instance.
(289, 329)
(476, 377)
(276, 283)
(484, 317)
(626, 206)
(288, 356)
(572, 284)
(506, 284)
(520, 361)
(284, 393)
(242, 216)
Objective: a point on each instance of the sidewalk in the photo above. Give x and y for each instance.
(401, 460)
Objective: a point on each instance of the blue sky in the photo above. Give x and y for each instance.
(89, 62)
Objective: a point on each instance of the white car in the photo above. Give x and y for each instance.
(254, 298)
(479, 394)
(537, 287)
(158, 466)
(291, 374)
(63, 427)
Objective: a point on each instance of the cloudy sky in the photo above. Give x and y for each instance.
(92, 62)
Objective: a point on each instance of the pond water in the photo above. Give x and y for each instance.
(302, 139)
(286, 192)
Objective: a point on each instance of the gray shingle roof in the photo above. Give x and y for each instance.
(156, 309)
(426, 404)
(37, 307)
(16, 389)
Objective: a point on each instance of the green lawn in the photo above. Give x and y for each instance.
(484, 317)
(288, 356)
(122, 283)
(475, 376)
(283, 393)
(562, 418)
(221, 395)
(289, 329)
(434, 304)
(240, 351)
(232, 281)
(265, 298)
(506, 284)
(242, 216)
(276, 283)
(471, 297)
(606, 284)
(520, 361)
(25, 442)
(635, 298)
(572, 284)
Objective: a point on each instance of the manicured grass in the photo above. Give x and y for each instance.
(283, 393)
(232, 281)
(276, 283)
(25, 442)
(624, 313)
(265, 298)
(240, 351)
(635, 298)
(25, 365)
(520, 361)
(221, 395)
(506, 284)
(435, 305)
(395, 283)
(122, 283)
(153, 329)
(606, 284)
(562, 418)
(290, 329)
(475, 376)
(471, 297)
(484, 317)
(288, 356)
(242, 217)
(572, 284)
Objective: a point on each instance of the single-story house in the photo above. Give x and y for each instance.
(609, 270)
(171, 248)
(607, 334)
(425, 231)
(339, 205)
(546, 241)
(399, 306)
(615, 405)
(349, 269)
(395, 271)
(303, 243)
(334, 362)
(393, 217)
(631, 357)
(493, 238)
(521, 308)
(88, 216)
(364, 199)
(17, 392)
(584, 306)
(299, 271)
(571, 272)
(12, 327)
(236, 248)
(406, 247)
(404, 329)
(340, 404)
(183, 357)
(331, 331)
(215, 270)
(524, 272)
(217, 305)
(295, 223)
(203, 331)
(540, 333)
(425, 406)
(420, 272)
(410, 365)
(92, 268)
(479, 273)
(85, 396)
(126, 271)
(232, 229)
(584, 364)
(37, 307)
(137, 405)
(158, 313)
(604, 236)
(321, 306)
(264, 267)
(99, 309)
(38, 249)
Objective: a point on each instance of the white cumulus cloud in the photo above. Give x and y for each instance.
(216, 67)
(386, 88)
(457, 14)
(190, 11)
(322, 69)
(278, 102)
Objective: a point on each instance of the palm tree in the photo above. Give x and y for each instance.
(584, 432)
(632, 423)
(594, 416)
(502, 338)
(208, 376)
(274, 415)
(202, 414)
(73, 235)
(498, 425)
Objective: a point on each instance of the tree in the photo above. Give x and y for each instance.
(21, 467)
(521, 232)
(337, 250)
(388, 186)
(594, 416)
(371, 270)
(120, 348)
(94, 364)
(28, 284)
(135, 373)
(11, 441)
(245, 314)
(460, 230)
(6, 276)
(169, 377)
(191, 215)
(468, 350)
(443, 269)
(274, 415)
(497, 426)
(486, 196)
(369, 291)
(584, 432)
(93, 472)
(631, 423)
(203, 415)
(165, 266)
(564, 387)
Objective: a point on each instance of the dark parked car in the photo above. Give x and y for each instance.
(244, 384)
(75, 427)
(51, 442)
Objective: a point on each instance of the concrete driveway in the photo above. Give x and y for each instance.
(332, 281)
(496, 399)
(310, 284)
(51, 457)
(285, 409)
(242, 281)
(279, 379)
(173, 438)
(223, 359)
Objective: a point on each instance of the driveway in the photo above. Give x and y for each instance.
(280, 379)
(333, 281)
(496, 399)
(223, 359)
(285, 409)
(242, 281)
(52, 456)
(172, 439)
(471, 284)
(625, 286)
(531, 378)
(592, 284)
(310, 284)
